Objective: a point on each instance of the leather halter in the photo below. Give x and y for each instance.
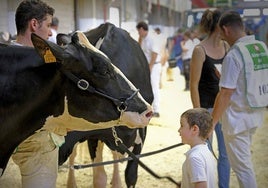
(84, 85)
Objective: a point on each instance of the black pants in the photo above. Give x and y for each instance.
(186, 72)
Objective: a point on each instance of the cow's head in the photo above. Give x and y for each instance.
(96, 90)
(117, 44)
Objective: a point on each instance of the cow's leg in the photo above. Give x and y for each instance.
(131, 172)
(71, 182)
(99, 174)
(116, 180)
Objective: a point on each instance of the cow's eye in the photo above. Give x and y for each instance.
(104, 72)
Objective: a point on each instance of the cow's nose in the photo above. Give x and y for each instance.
(149, 114)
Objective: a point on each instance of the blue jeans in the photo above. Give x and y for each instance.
(223, 162)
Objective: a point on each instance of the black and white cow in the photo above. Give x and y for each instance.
(126, 54)
(76, 86)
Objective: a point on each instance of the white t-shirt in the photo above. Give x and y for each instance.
(200, 165)
(160, 40)
(150, 45)
(189, 44)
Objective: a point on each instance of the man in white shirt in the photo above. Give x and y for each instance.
(152, 51)
(239, 119)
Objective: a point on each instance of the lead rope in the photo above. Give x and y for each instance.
(77, 167)
(120, 144)
(116, 138)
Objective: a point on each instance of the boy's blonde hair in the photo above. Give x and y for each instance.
(200, 117)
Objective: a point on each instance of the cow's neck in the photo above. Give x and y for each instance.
(66, 122)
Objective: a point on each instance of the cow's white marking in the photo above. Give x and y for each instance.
(1, 170)
(99, 43)
(65, 122)
(138, 139)
(84, 41)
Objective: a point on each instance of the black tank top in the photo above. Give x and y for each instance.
(209, 82)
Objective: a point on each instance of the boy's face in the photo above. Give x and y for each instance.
(185, 131)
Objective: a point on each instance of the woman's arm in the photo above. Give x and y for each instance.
(196, 65)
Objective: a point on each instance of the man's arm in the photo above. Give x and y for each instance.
(153, 59)
(221, 103)
(201, 184)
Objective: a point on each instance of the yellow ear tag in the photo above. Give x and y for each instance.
(49, 57)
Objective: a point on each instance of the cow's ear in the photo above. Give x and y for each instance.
(81, 39)
(47, 50)
(63, 39)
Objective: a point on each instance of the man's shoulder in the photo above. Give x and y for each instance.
(247, 42)
(246, 39)
(150, 36)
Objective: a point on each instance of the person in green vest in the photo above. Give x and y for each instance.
(243, 95)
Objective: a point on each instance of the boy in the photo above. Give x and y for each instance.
(200, 167)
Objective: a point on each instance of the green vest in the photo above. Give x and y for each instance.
(255, 59)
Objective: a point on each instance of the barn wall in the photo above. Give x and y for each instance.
(87, 14)
(3, 13)
(64, 10)
(90, 13)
